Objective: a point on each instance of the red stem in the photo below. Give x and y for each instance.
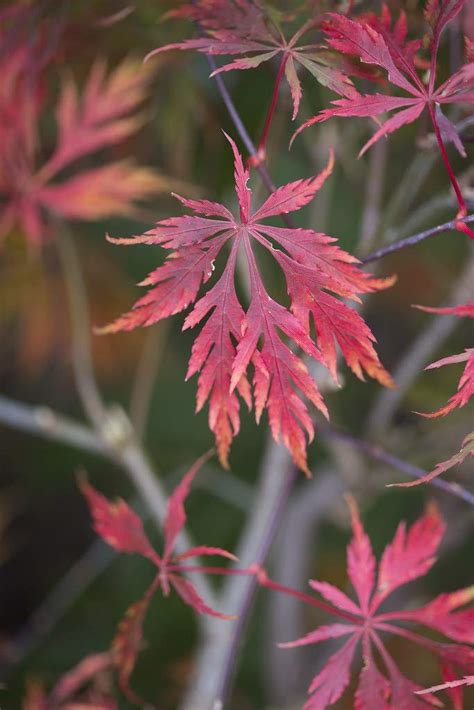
(271, 109)
(452, 177)
(210, 570)
(460, 226)
(432, 646)
(264, 581)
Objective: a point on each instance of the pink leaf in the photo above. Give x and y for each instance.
(328, 686)
(188, 594)
(175, 514)
(360, 559)
(234, 339)
(335, 596)
(204, 550)
(128, 642)
(410, 554)
(117, 523)
(322, 633)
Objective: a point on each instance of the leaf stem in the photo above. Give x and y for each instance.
(432, 646)
(444, 154)
(265, 581)
(418, 237)
(261, 153)
(379, 454)
(460, 226)
(210, 570)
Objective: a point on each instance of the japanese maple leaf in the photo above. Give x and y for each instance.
(242, 29)
(410, 555)
(105, 114)
(466, 384)
(375, 45)
(232, 338)
(467, 449)
(123, 530)
(395, 31)
(464, 393)
(69, 692)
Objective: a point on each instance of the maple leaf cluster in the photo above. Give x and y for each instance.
(232, 338)
(374, 42)
(409, 556)
(360, 46)
(105, 114)
(243, 29)
(122, 529)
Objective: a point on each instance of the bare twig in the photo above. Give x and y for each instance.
(217, 657)
(261, 168)
(376, 452)
(285, 616)
(415, 239)
(45, 422)
(112, 424)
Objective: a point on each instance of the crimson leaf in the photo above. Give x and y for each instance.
(232, 338)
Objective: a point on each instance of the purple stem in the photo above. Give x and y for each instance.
(415, 238)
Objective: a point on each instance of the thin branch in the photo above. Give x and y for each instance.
(263, 542)
(415, 239)
(216, 660)
(239, 125)
(376, 452)
(43, 421)
(309, 508)
(111, 423)
(260, 166)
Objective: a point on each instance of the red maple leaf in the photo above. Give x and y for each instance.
(105, 114)
(231, 338)
(464, 393)
(466, 383)
(396, 32)
(410, 555)
(70, 692)
(123, 530)
(373, 44)
(242, 29)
